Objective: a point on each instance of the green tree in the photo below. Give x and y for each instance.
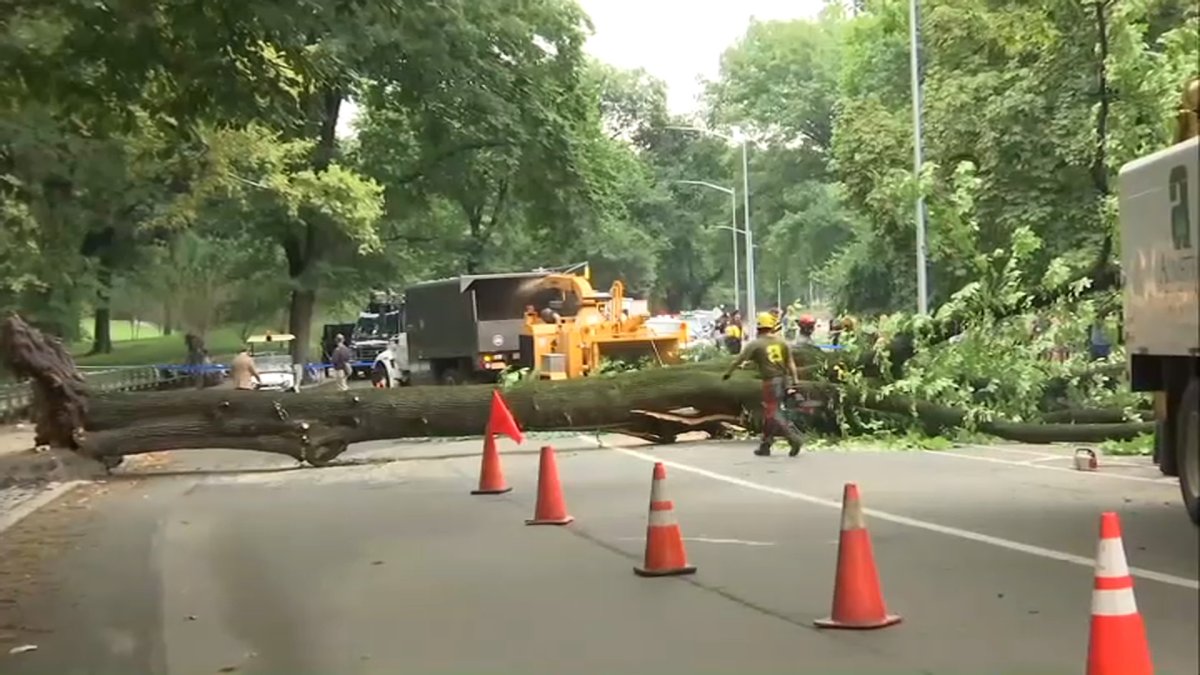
(779, 83)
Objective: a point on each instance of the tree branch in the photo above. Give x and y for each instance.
(450, 153)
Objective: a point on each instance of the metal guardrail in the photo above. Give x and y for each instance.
(15, 399)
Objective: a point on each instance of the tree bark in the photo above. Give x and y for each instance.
(300, 314)
(102, 320)
(102, 330)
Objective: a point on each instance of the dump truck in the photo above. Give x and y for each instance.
(460, 330)
(1159, 200)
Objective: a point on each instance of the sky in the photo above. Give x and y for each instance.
(677, 41)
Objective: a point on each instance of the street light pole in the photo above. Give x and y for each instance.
(737, 282)
(733, 229)
(915, 66)
(750, 294)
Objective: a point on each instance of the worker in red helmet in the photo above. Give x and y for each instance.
(807, 325)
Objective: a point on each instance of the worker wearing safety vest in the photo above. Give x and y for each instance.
(773, 357)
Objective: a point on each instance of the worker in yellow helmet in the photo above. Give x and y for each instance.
(771, 354)
(733, 333)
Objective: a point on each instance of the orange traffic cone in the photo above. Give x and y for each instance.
(665, 554)
(550, 509)
(491, 473)
(1117, 643)
(857, 597)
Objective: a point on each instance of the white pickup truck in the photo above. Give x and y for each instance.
(1160, 254)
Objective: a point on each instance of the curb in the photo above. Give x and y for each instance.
(53, 491)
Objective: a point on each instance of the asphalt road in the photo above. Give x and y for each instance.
(389, 565)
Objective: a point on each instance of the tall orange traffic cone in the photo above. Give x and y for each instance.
(1117, 641)
(550, 509)
(857, 597)
(491, 473)
(665, 554)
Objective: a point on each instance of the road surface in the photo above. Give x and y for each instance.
(390, 566)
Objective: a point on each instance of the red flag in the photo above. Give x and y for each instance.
(501, 421)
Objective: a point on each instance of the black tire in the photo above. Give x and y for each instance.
(451, 377)
(1164, 449)
(1187, 448)
(1165, 433)
(379, 374)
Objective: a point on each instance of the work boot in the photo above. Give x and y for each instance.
(763, 450)
(796, 445)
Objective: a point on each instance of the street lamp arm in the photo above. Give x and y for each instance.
(702, 130)
(706, 184)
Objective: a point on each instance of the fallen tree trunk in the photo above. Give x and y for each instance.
(936, 419)
(317, 425)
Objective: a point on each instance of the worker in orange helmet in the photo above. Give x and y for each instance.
(773, 356)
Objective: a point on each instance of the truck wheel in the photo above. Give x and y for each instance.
(1164, 448)
(450, 377)
(379, 374)
(1187, 448)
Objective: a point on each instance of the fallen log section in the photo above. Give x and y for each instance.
(317, 425)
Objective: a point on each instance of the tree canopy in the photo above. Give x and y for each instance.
(182, 161)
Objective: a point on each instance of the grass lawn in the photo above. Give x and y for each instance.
(124, 330)
(162, 349)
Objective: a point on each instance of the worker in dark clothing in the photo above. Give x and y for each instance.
(340, 360)
(773, 357)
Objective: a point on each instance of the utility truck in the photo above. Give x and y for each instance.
(1160, 241)
(460, 330)
(377, 327)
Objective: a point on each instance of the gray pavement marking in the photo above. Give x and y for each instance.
(1042, 467)
(1039, 551)
(25, 505)
(586, 535)
(708, 540)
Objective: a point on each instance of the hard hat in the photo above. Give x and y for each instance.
(767, 321)
(806, 320)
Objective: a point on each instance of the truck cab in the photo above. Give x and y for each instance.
(390, 368)
(377, 327)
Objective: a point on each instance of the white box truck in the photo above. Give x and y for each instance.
(1159, 199)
